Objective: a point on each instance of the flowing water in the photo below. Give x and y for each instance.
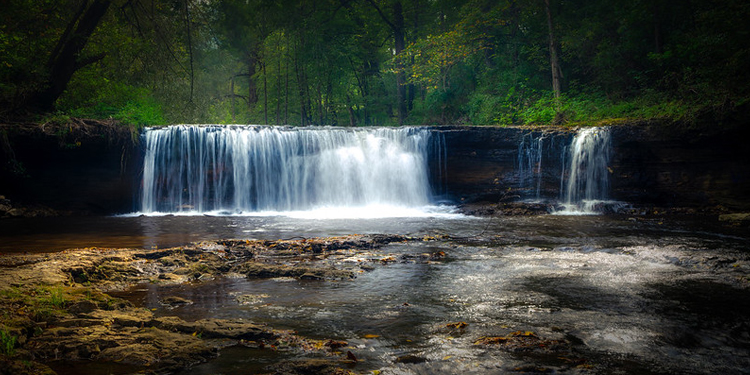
(631, 295)
(529, 165)
(635, 296)
(587, 183)
(247, 169)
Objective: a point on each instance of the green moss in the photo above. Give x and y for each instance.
(7, 343)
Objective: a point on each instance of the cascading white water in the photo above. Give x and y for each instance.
(245, 169)
(587, 184)
(529, 167)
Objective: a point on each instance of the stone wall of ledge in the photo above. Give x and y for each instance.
(87, 167)
(656, 165)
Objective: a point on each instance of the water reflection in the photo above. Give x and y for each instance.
(59, 233)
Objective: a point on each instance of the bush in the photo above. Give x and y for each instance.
(129, 104)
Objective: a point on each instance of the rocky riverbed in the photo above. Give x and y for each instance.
(494, 303)
(57, 307)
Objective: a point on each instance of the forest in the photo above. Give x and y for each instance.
(372, 62)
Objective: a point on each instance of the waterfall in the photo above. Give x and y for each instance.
(529, 164)
(587, 184)
(245, 169)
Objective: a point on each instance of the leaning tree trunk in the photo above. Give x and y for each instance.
(65, 60)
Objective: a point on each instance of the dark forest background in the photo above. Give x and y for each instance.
(373, 62)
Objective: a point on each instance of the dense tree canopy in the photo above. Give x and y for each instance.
(372, 62)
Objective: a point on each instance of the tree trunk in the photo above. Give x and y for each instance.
(265, 95)
(286, 94)
(658, 39)
(67, 62)
(301, 83)
(400, 44)
(411, 91)
(399, 38)
(553, 59)
(278, 84)
(231, 88)
(252, 89)
(190, 50)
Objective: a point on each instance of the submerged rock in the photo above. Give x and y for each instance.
(174, 301)
(309, 366)
(737, 219)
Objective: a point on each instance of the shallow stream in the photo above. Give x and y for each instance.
(622, 294)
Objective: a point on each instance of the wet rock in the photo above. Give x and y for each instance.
(523, 341)
(736, 219)
(307, 367)
(336, 344)
(88, 324)
(12, 366)
(218, 328)
(174, 301)
(265, 271)
(410, 359)
(83, 307)
(505, 209)
(310, 276)
(532, 369)
(11, 210)
(250, 299)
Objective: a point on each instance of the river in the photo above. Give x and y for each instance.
(650, 295)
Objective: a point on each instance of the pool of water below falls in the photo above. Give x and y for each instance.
(624, 295)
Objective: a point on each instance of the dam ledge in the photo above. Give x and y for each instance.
(668, 178)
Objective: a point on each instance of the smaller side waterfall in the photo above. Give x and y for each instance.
(587, 184)
(529, 168)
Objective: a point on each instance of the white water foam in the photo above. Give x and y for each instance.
(587, 187)
(271, 171)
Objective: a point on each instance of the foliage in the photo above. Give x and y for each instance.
(342, 62)
(56, 297)
(7, 343)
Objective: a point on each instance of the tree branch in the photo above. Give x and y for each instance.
(66, 34)
(90, 60)
(382, 15)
